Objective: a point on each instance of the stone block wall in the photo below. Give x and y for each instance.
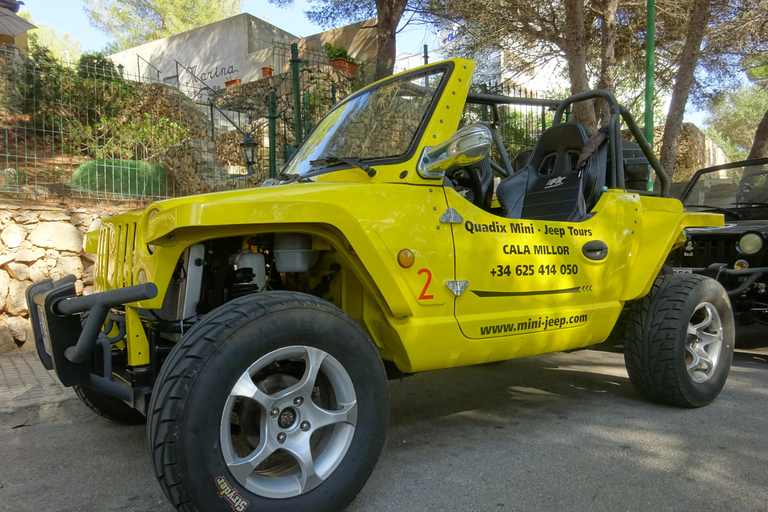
(164, 100)
(37, 243)
(696, 151)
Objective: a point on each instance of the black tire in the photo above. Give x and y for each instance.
(198, 380)
(110, 407)
(658, 348)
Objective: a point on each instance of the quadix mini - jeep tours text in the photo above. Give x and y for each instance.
(255, 329)
(735, 254)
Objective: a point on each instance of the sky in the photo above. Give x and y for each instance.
(69, 16)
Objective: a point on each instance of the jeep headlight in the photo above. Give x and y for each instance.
(750, 243)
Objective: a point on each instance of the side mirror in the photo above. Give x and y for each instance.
(468, 145)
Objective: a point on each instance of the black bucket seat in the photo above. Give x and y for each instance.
(551, 185)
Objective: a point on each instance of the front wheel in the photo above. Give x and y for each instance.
(110, 407)
(679, 339)
(276, 401)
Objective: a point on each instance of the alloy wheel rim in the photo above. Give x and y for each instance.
(704, 342)
(288, 422)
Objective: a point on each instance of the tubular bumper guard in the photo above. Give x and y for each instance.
(65, 343)
(716, 270)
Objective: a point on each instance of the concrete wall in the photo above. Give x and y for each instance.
(237, 47)
(21, 41)
(262, 34)
(216, 53)
(358, 38)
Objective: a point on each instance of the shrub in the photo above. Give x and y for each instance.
(124, 177)
(336, 52)
(118, 138)
(97, 66)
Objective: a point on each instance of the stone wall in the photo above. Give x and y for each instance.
(38, 243)
(315, 80)
(696, 151)
(164, 100)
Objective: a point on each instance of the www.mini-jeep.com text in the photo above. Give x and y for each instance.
(534, 324)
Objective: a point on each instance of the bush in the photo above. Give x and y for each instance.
(57, 96)
(123, 177)
(336, 52)
(117, 138)
(97, 66)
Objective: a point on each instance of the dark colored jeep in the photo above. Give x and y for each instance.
(735, 254)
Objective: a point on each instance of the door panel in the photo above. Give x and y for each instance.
(534, 279)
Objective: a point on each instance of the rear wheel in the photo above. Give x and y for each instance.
(679, 339)
(275, 401)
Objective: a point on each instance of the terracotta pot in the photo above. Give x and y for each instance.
(232, 83)
(344, 65)
(265, 72)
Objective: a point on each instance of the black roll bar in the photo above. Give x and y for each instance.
(617, 113)
(616, 174)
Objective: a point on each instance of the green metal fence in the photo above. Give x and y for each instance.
(314, 84)
(519, 125)
(93, 134)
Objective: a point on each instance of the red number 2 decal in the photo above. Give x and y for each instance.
(423, 295)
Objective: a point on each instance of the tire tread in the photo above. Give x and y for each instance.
(184, 363)
(651, 339)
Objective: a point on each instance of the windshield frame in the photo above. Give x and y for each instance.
(446, 66)
(722, 167)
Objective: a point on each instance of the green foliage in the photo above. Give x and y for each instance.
(731, 150)
(62, 45)
(96, 66)
(158, 18)
(733, 119)
(56, 96)
(118, 138)
(125, 177)
(40, 84)
(336, 52)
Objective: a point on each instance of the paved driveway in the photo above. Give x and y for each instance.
(555, 432)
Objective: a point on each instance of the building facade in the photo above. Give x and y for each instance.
(231, 49)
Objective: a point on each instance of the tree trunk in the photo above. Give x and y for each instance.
(683, 82)
(389, 13)
(576, 55)
(607, 57)
(760, 145)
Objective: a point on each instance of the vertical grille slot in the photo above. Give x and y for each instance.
(101, 259)
(130, 250)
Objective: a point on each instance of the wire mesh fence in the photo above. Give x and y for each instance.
(519, 125)
(315, 83)
(93, 133)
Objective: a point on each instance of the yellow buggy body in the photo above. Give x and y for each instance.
(530, 288)
(255, 329)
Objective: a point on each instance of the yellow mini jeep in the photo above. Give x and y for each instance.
(255, 329)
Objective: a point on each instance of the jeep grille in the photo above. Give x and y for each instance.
(114, 263)
(708, 250)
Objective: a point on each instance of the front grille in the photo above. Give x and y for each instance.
(115, 260)
(706, 251)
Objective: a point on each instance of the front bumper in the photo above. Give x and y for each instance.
(68, 328)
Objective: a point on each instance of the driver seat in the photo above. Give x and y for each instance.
(551, 186)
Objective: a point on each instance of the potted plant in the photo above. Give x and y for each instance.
(232, 83)
(266, 71)
(340, 59)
